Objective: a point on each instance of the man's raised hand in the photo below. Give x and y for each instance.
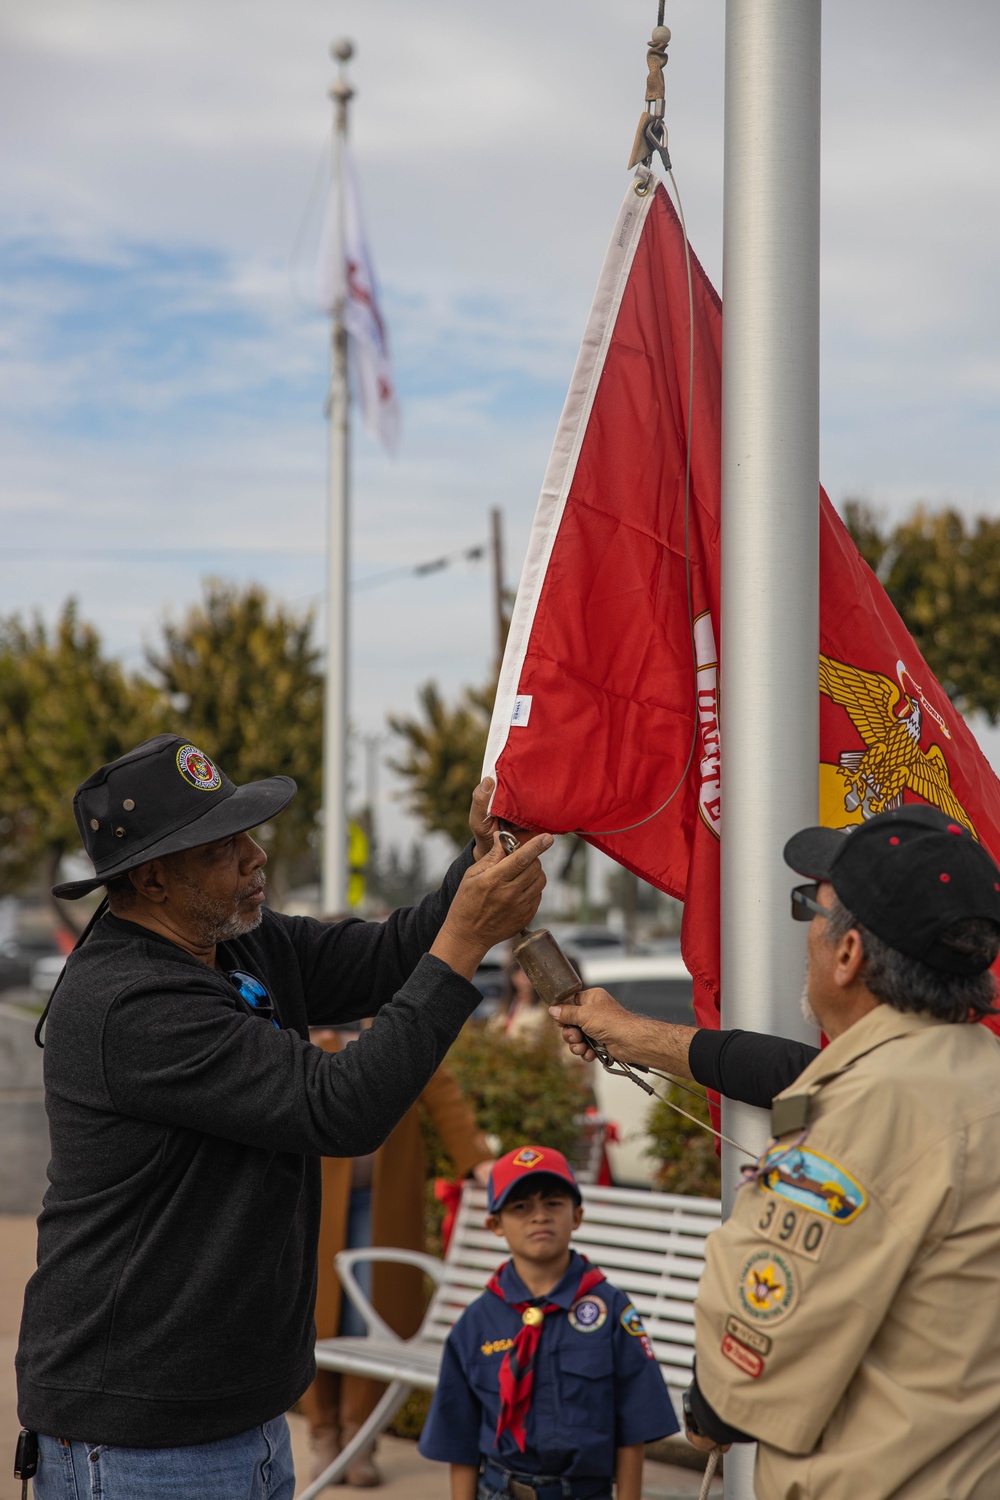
(482, 824)
(499, 895)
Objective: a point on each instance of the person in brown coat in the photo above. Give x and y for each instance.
(336, 1405)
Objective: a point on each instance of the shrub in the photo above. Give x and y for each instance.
(687, 1158)
(520, 1089)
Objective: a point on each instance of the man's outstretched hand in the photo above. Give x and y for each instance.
(481, 823)
(499, 895)
(629, 1038)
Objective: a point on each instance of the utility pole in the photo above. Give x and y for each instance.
(770, 529)
(499, 605)
(372, 744)
(334, 847)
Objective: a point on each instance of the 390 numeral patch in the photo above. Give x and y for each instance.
(795, 1228)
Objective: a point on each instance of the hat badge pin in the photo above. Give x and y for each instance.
(197, 770)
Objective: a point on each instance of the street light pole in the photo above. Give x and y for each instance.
(334, 846)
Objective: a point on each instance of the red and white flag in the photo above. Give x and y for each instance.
(366, 328)
(606, 717)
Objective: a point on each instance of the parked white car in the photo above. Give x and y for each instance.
(45, 972)
(657, 985)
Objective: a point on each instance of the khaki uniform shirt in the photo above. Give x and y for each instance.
(849, 1314)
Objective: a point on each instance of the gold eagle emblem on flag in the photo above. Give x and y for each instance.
(890, 720)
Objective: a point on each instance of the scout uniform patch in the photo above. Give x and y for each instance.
(631, 1321)
(589, 1314)
(767, 1286)
(743, 1358)
(812, 1181)
(527, 1158)
(752, 1337)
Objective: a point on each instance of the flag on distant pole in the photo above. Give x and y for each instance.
(362, 314)
(607, 720)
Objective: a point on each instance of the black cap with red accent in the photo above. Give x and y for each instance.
(907, 876)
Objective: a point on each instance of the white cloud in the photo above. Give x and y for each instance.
(159, 382)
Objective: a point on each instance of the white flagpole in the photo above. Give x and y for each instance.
(334, 847)
(770, 528)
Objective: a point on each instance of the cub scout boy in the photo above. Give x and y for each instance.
(849, 1314)
(549, 1385)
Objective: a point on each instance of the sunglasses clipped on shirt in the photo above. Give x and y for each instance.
(804, 903)
(255, 994)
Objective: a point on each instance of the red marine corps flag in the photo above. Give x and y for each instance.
(606, 720)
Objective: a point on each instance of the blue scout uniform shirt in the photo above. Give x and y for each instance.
(597, 1384)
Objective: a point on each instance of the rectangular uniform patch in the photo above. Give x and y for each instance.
(795, 1228)
(745, 1359)
(752, 1337)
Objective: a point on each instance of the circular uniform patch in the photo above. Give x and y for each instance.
(197, 770)
(588, 1314)
(767, 1287)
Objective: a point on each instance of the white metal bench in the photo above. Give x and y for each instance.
(651, 1245)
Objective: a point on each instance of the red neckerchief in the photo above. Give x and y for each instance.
(517, 1373)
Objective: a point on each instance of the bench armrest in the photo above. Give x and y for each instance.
(345, 1261)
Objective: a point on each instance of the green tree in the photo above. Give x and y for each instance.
(520, 1090)
(443, 758)
(65, 709)
(942, 573)
(244, 680)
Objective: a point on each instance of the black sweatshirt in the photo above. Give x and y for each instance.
(173, 1301)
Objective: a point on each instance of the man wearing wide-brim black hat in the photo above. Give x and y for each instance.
(169, 1324)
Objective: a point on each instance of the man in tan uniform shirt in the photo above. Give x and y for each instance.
(849, 1314)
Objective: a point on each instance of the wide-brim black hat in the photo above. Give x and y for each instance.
(163, 796)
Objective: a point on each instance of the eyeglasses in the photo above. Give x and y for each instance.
(804, 903)
(255, 994)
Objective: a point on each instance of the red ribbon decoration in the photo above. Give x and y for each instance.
(517, 1373)
(450, 1194)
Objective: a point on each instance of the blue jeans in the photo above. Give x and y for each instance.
(254, 1465)
(359, 1237)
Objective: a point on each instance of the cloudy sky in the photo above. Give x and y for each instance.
(163, 368)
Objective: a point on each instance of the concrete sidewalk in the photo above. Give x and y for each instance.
(408, 1476)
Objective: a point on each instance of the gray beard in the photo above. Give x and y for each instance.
(233, 926)
(807, 1010)
(218, 921)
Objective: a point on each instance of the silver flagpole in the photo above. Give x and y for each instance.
(770, 528)
(334, 860)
